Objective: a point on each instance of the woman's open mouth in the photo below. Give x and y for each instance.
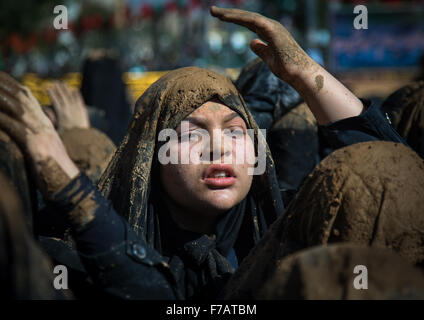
(219, 176)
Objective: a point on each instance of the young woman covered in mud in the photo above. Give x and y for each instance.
(179, 231)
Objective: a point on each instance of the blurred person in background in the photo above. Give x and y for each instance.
(102, 87)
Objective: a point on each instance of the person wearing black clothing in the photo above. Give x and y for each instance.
(405, 109)
(178, 231)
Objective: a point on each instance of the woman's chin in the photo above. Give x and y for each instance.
(222, 200)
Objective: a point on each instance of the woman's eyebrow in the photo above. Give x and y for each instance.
(201, 122)
(231, 116)
(196, 121)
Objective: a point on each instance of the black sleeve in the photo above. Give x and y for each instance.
(115, 257)
(371, 125)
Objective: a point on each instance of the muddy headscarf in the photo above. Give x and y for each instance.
(370, 194)
(330, 272)
(405, 108)
(131, 181)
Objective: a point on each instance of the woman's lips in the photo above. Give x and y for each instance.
(220, 182)
(219, 176)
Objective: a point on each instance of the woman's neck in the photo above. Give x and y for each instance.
(189, 220)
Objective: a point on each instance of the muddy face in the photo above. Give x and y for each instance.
(221, 151)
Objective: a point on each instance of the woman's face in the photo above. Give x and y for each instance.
(216, 133)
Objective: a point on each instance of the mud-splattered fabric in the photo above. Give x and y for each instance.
(370, 194)
(405, 108)
(90, 149)
(337, 272)
(131, 183)
(293, 141)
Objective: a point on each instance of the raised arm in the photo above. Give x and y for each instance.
(117, 260)
(23, 119)
(327, 98)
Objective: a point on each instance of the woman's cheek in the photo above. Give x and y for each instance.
(188, 153)
(245, 152)
(196, 153)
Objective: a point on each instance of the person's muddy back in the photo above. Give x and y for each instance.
(344, 271)
(90, 149)
(369, 194)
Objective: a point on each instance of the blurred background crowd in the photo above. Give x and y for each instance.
(128, 44)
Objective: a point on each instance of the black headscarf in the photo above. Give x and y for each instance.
(12, 164)
(405, 108)
(131, 183)
(267, 97)
(102, 87)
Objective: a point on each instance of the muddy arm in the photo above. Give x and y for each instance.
(327, 98)
(116, 258)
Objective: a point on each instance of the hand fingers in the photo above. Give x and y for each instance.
(9, 84)
(261, 49)
(28, 98)
(78, 98)
(10, 104)
(66, 92)
(251, 20)
(78, 101)
(15, 129)
(82, 108)
(51, 114)
(56, 98)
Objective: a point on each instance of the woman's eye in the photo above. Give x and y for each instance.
(194, 135)
(189, 136)
(237, 132)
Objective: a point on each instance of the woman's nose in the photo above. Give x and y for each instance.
(219, 148)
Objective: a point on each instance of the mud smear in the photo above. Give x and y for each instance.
(53, 177)
(369, 194)
(327, 272)
(319, 82)
(84, 212)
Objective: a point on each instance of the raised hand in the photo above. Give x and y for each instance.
(277, 49)
(327, 98)
(23, 119)
(69, 107)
